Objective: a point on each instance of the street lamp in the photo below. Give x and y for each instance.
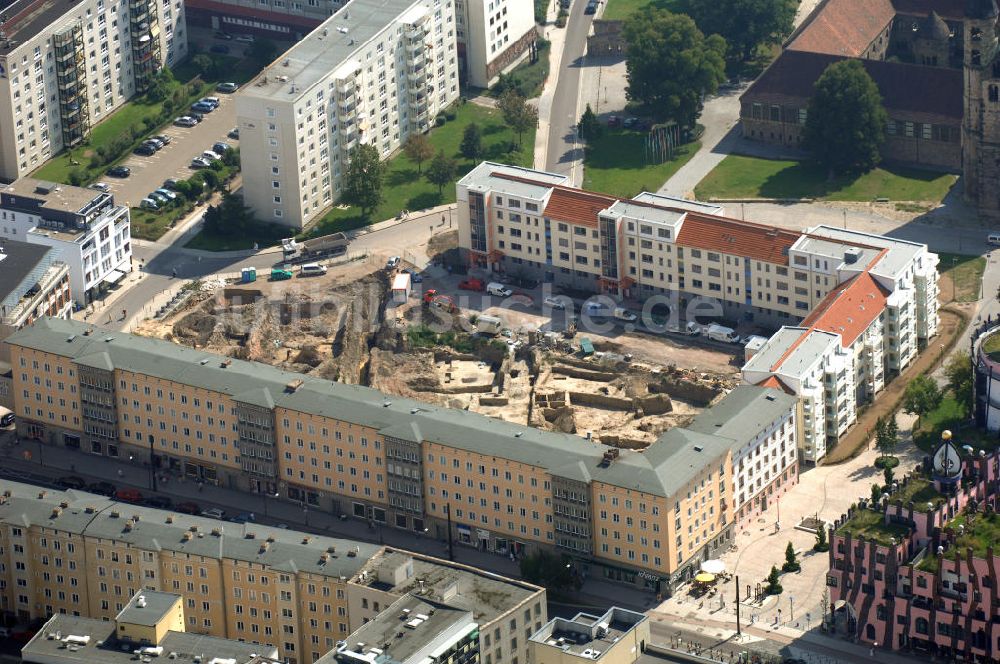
(791, 608)
(152, 465)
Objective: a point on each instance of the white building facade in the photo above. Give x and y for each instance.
(494, 36)
(91, 233)
(65, 67)
(373, 73)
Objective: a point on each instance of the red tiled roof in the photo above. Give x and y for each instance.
(776, 383)
(576, 206)
(732, 236)
(843, 27)
(849, 309)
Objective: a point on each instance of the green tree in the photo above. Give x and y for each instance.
(791, 561)
(671, 65)
(589, 126)
(418, 149)
(229, 218)
(262, 52)
(886, 435)
(519, 115)
(876, 493)
(958, 371)
(774, 582)
(549, 570)
(363, 179)
(472, 142)
(821, 543)
(845, 122)
(922, 395)
(745, 24)
(203, 63)
(888, 475)
(442, 171)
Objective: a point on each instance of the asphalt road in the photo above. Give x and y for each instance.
(565, 152)
(174, 159)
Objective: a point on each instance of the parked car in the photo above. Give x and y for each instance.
(392, 263)
(234, 133)
(591, 8)
(210, 156)
(630, 123)
(214, 513)
(220, 148)
(120, 171)
(243, 517)
(211, 101)
(71, 482)
(555, 303)
(155, 142)
(145, 150)
(149, 204)
(200, 162)
(159, 198)
(163, 138)
(101, 186)
(196, 116)
(171, 196)
(219, 48)
(227, 87)
(170, 183)
(415, 276)
(472, 284)
(161, 502)
(102, 488)
(219, 34)
(185, 121)
(614, 120)
(188, 508)
(129, 495)
(245, 39)
(202, 107)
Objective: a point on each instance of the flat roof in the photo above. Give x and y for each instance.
(104, 646)
(588, 635)
(147, 607)
(26, 19)
(18, 261)
(795, 353)
(54, 196)
(484, 594)
(743, 413)
(255, 383)
(650, 213)
(324, 49)
(680, 203)
(900, 253)
(407, 627)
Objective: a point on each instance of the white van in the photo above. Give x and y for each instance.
(498, 289)
(993, 238)
(312, 270)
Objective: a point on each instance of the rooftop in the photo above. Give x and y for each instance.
(147, 607)
(327, 48)
(661, 200)
(849, 309)
(577, 206)
(731, 236)
(872, 525)
(843, 27)
(977, 531)
(898, 256)
(78, 640)
(26, 19)
(19, 263)
(586, 635)
(743, 413)
(791, 351)
(411, 626)
(565, 455)
(486, 596)
(53, 196)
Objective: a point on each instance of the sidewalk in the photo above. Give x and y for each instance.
(30, 461)
(557, 42)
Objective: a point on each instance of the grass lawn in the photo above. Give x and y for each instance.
(750, 177)
(965, 273)
(236, 70)
(953, 416)
(982, 531)
(151, 225)
(529, 77)
(265, 235)
(872, 525)
(619, 10)
(919, 492)
(614, 164)
(405, 189)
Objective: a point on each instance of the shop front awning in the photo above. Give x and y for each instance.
(113, 277)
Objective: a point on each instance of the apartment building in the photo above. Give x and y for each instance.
(151, 624)
(494, 36)
(617, 636)
(89, 231)
(71, 552)
(627, 515)
(915, 572)
(279, 20)
(64, 67)
(373, 73)
(33, 283)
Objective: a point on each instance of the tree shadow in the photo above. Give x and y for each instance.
(490, 129)
(398, 178)
(424, 200)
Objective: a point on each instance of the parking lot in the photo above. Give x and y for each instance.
(174, 159)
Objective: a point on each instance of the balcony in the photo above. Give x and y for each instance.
(346, 87)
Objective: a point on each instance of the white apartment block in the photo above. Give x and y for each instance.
(33, 283)
(852, 307)
(373, 73)
(64, 67)
(494, 36)
(90, 232)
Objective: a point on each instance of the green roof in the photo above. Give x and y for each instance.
(872, 526)
(654, 471)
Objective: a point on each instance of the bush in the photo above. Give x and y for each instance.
(450, 115)
(562, 18)
(886, 462)
(76, 177)
(440, 120)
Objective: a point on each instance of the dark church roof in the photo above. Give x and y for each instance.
(934, 27)
(981, 9)
(904, 87)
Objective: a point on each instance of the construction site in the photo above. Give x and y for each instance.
(347, 326)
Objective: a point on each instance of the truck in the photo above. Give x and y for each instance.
(498, 289)
(489, 324)
(325, 245)
(721, 333)
(280, 274)
(401, 287)
(623, 314)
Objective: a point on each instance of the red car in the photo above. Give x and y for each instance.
(472, 284)
(128, 495)
(188, 508)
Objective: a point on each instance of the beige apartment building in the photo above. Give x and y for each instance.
(345, 449)
(64, 67)
(75, 553)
